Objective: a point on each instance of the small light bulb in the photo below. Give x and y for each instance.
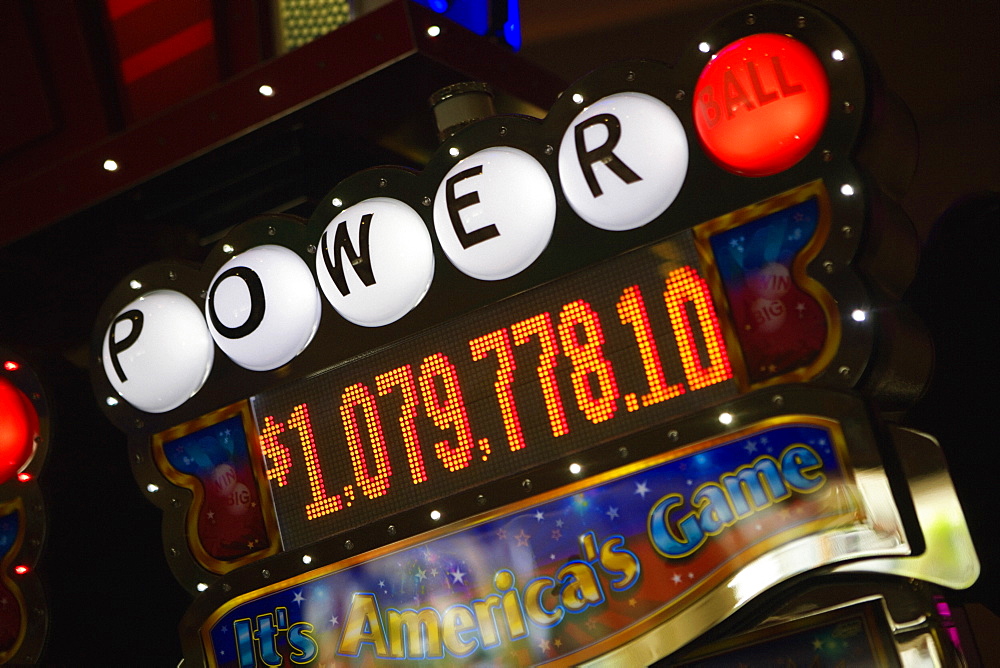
(433, 31)
(847, 190)
(704, 47)
(453, 152)
(151, 488)
(306, 559)
(201, 586)
(110, 165)
(575, 468)
(24, 476)
(266, 91)
(726, 418)
(577, 98)
(858, 315)
(837, 55)
(336, 201)
(134, 284)
(21, 569)
(111, 401)
(435, 515)
(227, 249)
(11, 365)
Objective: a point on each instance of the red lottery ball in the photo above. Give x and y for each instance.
(761, 104)
(18, 430)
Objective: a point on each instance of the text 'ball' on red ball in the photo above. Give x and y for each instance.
(761, 104)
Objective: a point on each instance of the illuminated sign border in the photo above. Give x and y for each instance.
(699, 611)
(496, 498)
(708, 194)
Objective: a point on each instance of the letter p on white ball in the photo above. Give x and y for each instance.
(157, 352)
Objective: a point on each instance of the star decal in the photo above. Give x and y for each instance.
(677, 578)
(641, 489)
(457, 576)
(539, 515)
(611, 512)
(299, 598)
(522, 538)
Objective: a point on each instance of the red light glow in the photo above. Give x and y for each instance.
(11, 365)
(24, 477)
(761, 104)
(21, 569)
(18, 430)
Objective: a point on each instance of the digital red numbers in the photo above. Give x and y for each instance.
(279, 456)
(403, 378)
(590, 367)
(321, 503)
(527, 367)
(499, 342)
(685, 286)
(358, 396)
(632, 311)
(437, 372)
(541, 326)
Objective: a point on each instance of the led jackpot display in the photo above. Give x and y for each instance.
(540, 288)
(577, 362)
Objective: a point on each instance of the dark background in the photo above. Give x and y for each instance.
(109, 592)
